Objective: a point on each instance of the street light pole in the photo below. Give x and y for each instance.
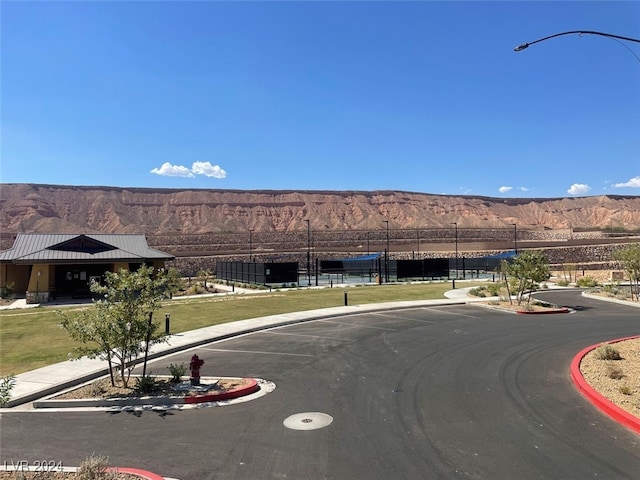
(515, 237)
(456, 225)
(309, 251)
(250, 244)
(521, 47)
(386, 256)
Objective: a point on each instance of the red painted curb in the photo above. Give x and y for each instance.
(543, 312)
(137, 472)
(215, 397)
(606, 406)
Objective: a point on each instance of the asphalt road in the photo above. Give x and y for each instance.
(430, 393)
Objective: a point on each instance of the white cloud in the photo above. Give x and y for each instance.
(168, 170)
(505, 189)
(578, 189)
(633, 183)
(205, 168)
(198, 168)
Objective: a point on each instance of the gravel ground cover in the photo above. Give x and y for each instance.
(616, 380)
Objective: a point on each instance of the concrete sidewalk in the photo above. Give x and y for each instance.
(44, 381)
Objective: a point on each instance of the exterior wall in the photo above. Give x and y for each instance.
(39, 284)
(39, 279)
(16, 274)
(120, 266)
(25, 277)
(3, 275)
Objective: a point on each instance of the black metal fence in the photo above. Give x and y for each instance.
(369, 269)
(258, 273)
(428, 268)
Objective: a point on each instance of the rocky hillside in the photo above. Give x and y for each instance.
(74, 209)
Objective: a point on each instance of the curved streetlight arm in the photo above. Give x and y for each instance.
(590, 32)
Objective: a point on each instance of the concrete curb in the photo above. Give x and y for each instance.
(137, 472)
(543, 312)
(19, 467)
(252, 387)
(609, 408)
(218, 397)
(610, 299)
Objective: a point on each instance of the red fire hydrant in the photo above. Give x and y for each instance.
(194, 368)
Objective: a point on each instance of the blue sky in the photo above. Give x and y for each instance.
(325, 95)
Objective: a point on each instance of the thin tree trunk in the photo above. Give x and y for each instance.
(506, 281)
(146, 348)
(113, 380)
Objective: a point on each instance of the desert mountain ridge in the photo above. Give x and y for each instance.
(42, 208)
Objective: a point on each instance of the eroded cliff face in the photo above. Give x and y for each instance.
(73, 209)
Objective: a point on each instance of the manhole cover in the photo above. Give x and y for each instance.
(308, 421)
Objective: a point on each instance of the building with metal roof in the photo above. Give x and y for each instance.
(42, 266)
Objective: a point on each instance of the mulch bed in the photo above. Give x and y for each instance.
(163, 387)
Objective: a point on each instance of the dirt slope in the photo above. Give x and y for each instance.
(74, 209)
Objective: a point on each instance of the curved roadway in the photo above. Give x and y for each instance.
(428, 393)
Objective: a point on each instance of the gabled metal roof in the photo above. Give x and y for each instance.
(84, 248)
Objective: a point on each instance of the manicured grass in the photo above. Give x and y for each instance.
(31, 338)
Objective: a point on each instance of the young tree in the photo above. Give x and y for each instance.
(203, 276)
(119, 326)
(629, 258)
(173, 282)
(527, 269)
(503, 270)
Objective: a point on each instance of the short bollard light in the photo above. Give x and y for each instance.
(346, 301)
(167, 321)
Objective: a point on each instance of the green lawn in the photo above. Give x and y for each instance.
(31, 338)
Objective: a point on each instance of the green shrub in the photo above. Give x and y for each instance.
(96, 389)
(587, 282)
(95, 468)
(562, 283)
(491, 290)
(195, 289)
(6, 385)
(177, 372)
(477, 292)
(614, 372)
(607, 352)
(7, 290)
(145, 384)
(625, 390)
